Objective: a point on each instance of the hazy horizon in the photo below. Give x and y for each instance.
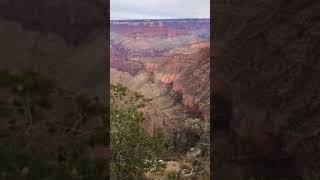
(159, 9)
(161, 19)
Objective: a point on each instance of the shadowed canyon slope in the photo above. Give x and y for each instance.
(71, 65)
(72, 20)
(63, 39)
(168, 62)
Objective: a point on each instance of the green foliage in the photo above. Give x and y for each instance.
(14, 162)
(26, 83)
(31, 114)
(133, 151)
(29, 90)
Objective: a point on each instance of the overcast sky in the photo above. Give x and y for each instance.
(159, 9)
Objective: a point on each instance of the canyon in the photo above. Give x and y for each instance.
(168, 61)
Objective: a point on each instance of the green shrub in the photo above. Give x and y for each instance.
(133, 151)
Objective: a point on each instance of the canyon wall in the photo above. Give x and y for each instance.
(169, 62)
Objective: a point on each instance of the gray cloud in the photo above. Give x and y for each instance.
(159, 9)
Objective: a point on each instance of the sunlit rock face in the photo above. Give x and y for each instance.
(169, 62)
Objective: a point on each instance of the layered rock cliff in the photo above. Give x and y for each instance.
(174, 93)
(171, 57)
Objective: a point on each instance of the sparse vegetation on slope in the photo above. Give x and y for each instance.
(135, 153)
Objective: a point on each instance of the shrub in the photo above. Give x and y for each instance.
(133, 151)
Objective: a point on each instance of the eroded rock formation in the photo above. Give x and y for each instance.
(187, 92)
(168, 61)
